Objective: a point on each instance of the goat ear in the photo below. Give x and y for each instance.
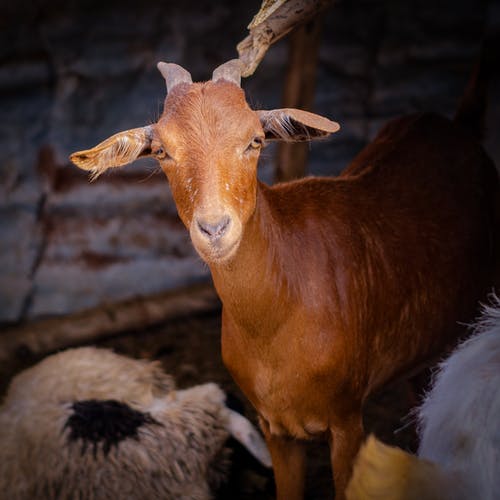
(116, 151)
(295, 125)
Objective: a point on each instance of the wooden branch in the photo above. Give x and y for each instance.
(47, 335)
(300, 85)
(273, 22)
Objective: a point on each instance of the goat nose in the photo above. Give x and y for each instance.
(214, 231)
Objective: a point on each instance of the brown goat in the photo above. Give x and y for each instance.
(331, 287)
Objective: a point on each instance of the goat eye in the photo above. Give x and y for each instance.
(256, 143)
(160, 153)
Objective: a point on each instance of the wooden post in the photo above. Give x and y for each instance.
(299, 92)
(274, 20)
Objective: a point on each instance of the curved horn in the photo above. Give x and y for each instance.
(230, 71)
(174, 74)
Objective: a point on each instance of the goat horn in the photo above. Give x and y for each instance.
(174, 74)
(230, 71)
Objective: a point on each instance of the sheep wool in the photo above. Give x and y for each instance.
(90, 424)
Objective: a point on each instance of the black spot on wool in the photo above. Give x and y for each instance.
(104, 423)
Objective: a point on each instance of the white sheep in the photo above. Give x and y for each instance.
(90, 424)
(459, 427)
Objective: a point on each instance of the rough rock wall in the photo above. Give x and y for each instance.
(74, 72)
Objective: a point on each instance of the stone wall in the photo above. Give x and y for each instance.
(75, 72)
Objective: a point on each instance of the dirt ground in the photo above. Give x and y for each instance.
(189, 349)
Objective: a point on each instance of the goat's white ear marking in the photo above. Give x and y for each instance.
(116, 151)
(244, 432)
(295, 125)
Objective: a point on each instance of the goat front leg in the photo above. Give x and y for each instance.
(345, 441)
(289, 464)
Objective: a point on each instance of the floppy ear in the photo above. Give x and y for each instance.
(116, 151)
(295, 125)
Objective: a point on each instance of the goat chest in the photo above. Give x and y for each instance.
(286, 377)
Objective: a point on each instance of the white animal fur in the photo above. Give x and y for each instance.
(460, 418)
(179, 456)
(459, 425)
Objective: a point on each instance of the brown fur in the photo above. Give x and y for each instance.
(321, 311)
(330, 287)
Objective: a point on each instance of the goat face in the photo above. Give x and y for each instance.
(208, 142)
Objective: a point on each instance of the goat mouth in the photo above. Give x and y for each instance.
(218, 253)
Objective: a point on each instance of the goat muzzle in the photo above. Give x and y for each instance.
(216, 237)
(214, 230)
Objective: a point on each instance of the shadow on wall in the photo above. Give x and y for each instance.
(73, 73)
